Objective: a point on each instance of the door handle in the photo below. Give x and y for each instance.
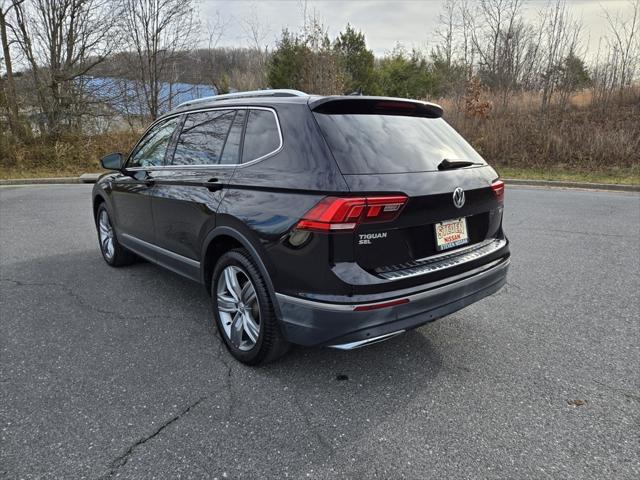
(149, 182)
(213, 184)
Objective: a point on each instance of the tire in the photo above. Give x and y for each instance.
(243, 310)
(113, 253)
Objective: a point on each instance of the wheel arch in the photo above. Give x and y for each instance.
(222, 239)
(97, 201)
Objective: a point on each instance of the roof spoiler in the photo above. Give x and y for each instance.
(375, 105)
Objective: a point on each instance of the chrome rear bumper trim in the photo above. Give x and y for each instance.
(441, 261)
(429, 290)
(368, 341)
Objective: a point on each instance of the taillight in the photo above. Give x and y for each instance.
(498, 189)
(339, 214)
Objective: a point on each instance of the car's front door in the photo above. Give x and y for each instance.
(131, 191)
(188, 190)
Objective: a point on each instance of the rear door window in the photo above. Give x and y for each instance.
(262, 135)
(372, 143)
(203, 137)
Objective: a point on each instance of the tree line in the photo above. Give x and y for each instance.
(487, 40)
(50, 46)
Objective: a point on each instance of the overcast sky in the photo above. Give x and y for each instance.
(384, 23)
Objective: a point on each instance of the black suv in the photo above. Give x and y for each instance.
(329, 221)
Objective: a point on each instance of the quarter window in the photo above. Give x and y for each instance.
(202, 138)
(151, 150)
(231, 151)
(262, 136)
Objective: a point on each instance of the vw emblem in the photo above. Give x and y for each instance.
(458, 197)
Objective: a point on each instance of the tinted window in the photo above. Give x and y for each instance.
(151, 149)
(392, 143)
(231, 152)
(262, 136)
(202, 138)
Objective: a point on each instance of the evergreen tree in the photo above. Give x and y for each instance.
(403, 74)
(357, 61)
(286, 62)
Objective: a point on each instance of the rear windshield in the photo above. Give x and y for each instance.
(392, 143)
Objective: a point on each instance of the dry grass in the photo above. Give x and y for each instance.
(69, 156)
(584, 141)
(586, 138)
(622, 176)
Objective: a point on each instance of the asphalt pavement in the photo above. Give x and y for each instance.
(118, 373)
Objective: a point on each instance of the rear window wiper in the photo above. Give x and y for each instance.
(452, 164)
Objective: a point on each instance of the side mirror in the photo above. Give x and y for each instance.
(113, 161)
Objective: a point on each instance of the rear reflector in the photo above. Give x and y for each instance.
(375, 306)
(340, 214)
(498, 189)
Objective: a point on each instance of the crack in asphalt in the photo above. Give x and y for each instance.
(233, 398)
(306, 417)
(221, 356)
(227, 378)
(121, 461)
(84, 303)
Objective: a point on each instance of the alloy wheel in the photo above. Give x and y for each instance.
(106, 235)
(238, 308)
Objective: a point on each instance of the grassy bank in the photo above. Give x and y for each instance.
(622, 176)
(582, 140)
(69, 156)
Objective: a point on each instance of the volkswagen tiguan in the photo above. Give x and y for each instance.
(313, 220)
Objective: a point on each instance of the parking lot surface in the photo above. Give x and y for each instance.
(118, 373)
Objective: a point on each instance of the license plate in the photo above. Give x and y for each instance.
(451, 233)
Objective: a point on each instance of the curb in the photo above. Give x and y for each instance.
(84, 178)
(577, 185)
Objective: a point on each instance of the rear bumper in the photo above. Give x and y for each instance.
(312, 323)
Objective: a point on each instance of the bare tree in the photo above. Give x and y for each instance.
(256, 34)
(322, 71)
(213, 71)
(466, 36)
(625, 42)
(156, 31)
(560, 34)
(618, 55)
(9, 91)
(503, 43)
(61, 41)
(446, 31)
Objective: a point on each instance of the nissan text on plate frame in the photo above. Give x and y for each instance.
(334, 221)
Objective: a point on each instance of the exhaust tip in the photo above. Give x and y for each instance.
(366, 342)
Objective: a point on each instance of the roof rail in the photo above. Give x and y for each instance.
(251, 94)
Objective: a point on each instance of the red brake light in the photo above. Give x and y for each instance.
(391, 105)
(333, 213)
(498, 189)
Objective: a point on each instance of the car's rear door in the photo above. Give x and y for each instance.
(188, 190)
(393, 147)
(131, 191)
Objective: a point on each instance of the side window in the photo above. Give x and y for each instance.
(202, 138)
(262, 136)
(151, 150)
(231, 152)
